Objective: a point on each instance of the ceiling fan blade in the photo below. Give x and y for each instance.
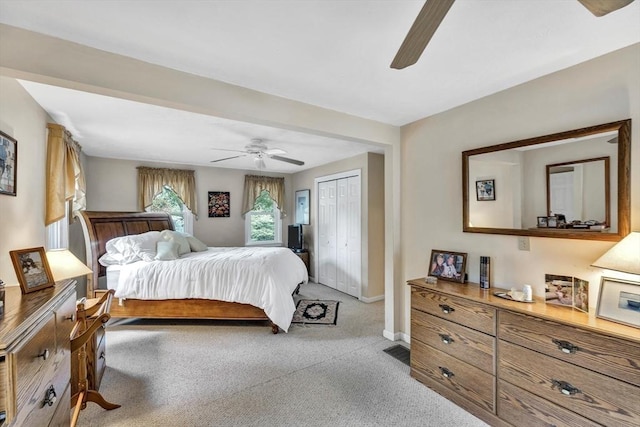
(227, 149)
(602, 7)
(228, 158)
(423, 28)
(288, 160)
(274, 151)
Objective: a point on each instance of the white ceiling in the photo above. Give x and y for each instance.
(333, 54)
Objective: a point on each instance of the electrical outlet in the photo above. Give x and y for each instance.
(523, 243)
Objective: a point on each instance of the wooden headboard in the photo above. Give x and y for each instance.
(100, 227)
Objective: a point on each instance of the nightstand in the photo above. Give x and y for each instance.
(304, 256)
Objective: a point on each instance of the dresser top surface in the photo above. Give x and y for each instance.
(565, 315)
(21, 310)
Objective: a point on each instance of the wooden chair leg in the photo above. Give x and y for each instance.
(95, 397)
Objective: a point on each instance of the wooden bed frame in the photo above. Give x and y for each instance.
(99, 227)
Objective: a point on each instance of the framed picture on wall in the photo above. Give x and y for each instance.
(8, 164)
(219, 204)
(302, 207)
(485, 190)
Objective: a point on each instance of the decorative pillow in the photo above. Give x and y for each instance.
(195, 244)
(178, 238)
(111, 259)
(166, 251)
(133, 248)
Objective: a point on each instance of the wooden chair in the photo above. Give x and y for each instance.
(91, 315)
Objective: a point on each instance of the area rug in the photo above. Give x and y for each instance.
(316, 312)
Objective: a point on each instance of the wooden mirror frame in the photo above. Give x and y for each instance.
(623, 128)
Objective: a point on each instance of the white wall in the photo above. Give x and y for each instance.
(599, 91)
(112, 186)
(22, 216)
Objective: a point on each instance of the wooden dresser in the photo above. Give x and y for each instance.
(512, 363)
(35, 356)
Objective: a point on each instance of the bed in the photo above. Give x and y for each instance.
(262, 273)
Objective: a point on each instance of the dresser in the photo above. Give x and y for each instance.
(35, 355)
(512, 363)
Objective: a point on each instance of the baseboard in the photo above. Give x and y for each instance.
(372, 299)
(397, 336)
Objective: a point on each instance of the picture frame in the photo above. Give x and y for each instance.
(542, 222)
(552, 221)
(32, 269)
(619, 301)
(8, 164)
(448, 265)
(559, 290)
(219, 204)
(485, 190)
(302, 198)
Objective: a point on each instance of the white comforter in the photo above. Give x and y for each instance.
(262, 277)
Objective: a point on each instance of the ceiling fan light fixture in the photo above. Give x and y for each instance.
(259, 161)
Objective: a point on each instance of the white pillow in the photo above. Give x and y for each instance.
(135, 247)
(166, 251)
(178, 238)
(195, 244)
(111, 259)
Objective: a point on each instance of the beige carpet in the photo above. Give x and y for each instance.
(205, 373)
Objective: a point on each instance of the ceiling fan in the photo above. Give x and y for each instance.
(434, 11)
(259, 150)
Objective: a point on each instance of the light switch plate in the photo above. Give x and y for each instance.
(523, 243)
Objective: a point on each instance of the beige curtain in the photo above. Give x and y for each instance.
(65, 177)
(152, 180)
(254, 185)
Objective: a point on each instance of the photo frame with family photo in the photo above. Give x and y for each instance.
(567, 291)
(32, 269)
(448, 265)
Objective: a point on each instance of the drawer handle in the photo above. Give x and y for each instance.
(445, 372)
(71, 318)
(565, 388)
(565, 346)
(50, 396)
(44, 354)
(101, 355)
(446, 338)
(446, 309)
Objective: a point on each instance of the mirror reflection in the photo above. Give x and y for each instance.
(556, 185)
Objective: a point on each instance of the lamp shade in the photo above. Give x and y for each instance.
(64, 265)
(624, 256)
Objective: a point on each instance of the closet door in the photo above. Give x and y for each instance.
(348, 255)
(327, 233)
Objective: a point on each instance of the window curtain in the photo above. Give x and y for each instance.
(152, 180)
(65, 177)
(254, 185)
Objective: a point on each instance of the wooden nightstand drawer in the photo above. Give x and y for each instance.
(468, 345)
(607, 355)
(466, 380)
(474, 315)
(590, 394)
(520, 408)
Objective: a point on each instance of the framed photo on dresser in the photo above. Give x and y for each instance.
(32, 269)
(619, 301)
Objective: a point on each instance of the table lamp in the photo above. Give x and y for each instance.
(64, 265)
(624, 256)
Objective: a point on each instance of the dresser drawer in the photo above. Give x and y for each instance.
(468, 345)
(468, 381)
(61, 417)
(37, 375)
(100, 359)
(521, 408)
(474, 315)
(590, 394)
(65, 320)
(610, 356)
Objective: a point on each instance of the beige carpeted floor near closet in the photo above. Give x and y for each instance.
(206, 373)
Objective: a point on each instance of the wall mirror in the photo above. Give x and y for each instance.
(572, 185)
(302, 207)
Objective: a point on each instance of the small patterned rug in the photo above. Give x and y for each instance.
(316, 312)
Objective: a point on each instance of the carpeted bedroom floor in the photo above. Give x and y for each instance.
(206, 373)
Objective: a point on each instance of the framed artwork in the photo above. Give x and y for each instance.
(485, 190)
(552, 221)
(32, 269)
(619, 301)
(302, 206)
(219, 204)
(448, 265)
(8, 164)
(542, 222)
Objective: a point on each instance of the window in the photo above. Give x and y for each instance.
(262, 224)
(169, 202)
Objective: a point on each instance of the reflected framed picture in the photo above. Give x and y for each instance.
(542, 222)
(302, 206)
(8, 164)
(32, 269)
(619, 301)
(448, 265)
(485, 190)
